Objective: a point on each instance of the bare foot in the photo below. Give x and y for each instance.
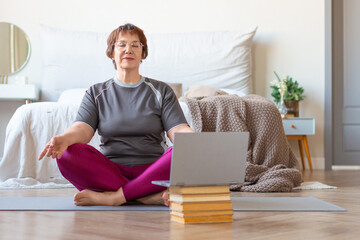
(91, 198)
(153, 199)
(165, 196)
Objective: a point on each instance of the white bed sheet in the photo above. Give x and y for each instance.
(27, 133)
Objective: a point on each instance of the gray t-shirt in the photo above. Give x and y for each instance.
(131, 118)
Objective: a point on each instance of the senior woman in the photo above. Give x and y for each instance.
(131, 113)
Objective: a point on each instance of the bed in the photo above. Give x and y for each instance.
(74, 60)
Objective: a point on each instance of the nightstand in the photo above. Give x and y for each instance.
(298, 129)
(27, 92)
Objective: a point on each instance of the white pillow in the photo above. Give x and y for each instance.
(215, 59)
(233, 92)
(72, 96)
(74, 59)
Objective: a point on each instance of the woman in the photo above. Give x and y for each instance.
(130, 113)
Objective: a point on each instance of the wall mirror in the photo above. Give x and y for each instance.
(14, 49)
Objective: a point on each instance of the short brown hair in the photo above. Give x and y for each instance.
(132, 29)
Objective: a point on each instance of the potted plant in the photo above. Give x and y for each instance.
(290, 91)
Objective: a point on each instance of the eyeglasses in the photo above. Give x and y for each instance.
(121, 45)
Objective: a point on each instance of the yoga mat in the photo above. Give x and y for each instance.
(283, 204)
(65, 204)
(241, 204)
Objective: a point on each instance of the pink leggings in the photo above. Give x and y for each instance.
(86, 168)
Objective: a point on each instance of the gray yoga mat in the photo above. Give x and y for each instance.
(283, 204)
(241, 204)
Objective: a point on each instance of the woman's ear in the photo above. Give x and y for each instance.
(112, 52)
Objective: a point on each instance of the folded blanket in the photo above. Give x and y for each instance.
(271, 165)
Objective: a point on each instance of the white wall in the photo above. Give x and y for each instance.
(290, 37)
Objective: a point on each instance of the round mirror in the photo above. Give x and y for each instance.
(14, 48)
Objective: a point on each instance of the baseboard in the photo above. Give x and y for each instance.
(341, 167)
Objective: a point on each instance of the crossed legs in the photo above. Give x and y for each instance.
(103, 182)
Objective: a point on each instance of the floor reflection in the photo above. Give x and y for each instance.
(180, 231)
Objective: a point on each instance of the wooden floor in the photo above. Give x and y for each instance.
(156, 225)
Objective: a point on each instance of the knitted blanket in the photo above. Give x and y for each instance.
(271, 165)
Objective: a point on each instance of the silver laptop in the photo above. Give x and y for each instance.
(207, 158)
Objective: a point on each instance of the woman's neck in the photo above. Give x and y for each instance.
(128, 77)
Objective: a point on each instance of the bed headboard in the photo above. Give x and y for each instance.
(74, 59)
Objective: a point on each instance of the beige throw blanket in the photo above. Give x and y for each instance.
(271, 165)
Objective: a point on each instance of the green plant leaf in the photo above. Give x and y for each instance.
(277, 76)
(293, 93)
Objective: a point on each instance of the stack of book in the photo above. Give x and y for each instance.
(203, 204)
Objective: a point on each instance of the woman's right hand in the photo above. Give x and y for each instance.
(55, 147)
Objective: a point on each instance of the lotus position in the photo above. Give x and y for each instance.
(131, 114)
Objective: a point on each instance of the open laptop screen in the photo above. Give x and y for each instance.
(208, 158)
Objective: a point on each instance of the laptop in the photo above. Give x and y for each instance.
(207, 158)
